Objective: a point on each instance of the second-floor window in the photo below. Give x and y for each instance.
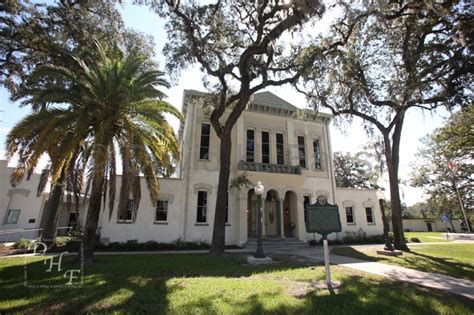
(280, 149)
(205, 139)
(301, 151)
(317, 154)
(202, 207)
(265, 147)
(250, 145)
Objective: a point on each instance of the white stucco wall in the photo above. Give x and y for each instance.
(359, 199)
(420, 225)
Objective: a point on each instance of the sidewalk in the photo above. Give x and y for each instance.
(427, 279)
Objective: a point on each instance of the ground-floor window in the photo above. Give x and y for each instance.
(202, 207)
(227, 211)
(13, 216)
(161, 210)
(126, 214)
(369, 214)
(350, 215)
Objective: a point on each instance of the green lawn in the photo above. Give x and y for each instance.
(426, 237)
(456, 260)
(199, 284)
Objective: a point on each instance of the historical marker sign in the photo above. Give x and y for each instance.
(322, 218)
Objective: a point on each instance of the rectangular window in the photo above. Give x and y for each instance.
(280, 149)
(202, 207)
(369, 214)
(349, 215)
(302, 151)
(161, 210)
(227, 211)
(13, 216)
(265, 147)
(250, 145)
(205, 140)
(317, 154)
(126, 215)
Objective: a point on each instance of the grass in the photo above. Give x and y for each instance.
(455, 260)
(199, 284)
(426, 237)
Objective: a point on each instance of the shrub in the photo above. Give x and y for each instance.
(22, 244)
(2, 247)
(313, 242)
(133, 245)
(73, 238)
(415, 240)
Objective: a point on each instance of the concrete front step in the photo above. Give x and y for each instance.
(281, 242)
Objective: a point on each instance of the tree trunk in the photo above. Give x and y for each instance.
(397, 222)
(392, 155)
(93, 214)
(52, 208)
(218, 235)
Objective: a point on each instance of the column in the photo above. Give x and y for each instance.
(300, 211)
(291, 156)
(282, 228)
(241, 138)
(258, 146)
(242, 219)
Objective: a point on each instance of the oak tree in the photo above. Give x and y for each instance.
(402, 56)
(239, 48)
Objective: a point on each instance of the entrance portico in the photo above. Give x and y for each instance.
(280, 216)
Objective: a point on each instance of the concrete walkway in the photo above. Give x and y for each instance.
(427, 279)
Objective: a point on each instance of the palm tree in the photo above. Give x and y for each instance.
(23, 139)
(108, 107)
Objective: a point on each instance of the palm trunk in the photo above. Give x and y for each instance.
(218, 235)
(93, 214)
(53, 210)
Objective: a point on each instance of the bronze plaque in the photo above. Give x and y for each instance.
(322, 218)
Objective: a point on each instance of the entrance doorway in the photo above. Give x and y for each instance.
(429, 227)
(290, 214)
(271, 214)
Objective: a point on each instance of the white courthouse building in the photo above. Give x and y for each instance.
(287, 149)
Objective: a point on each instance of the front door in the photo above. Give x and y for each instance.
(428, 225)
(271, 218)
(253, 219)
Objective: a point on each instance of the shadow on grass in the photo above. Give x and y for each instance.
(208, 285)
(415, 260)
(351, 252)
(443, 265)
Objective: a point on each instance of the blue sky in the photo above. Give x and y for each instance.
(417, 124)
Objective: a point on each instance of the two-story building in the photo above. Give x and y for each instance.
(287, 149)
